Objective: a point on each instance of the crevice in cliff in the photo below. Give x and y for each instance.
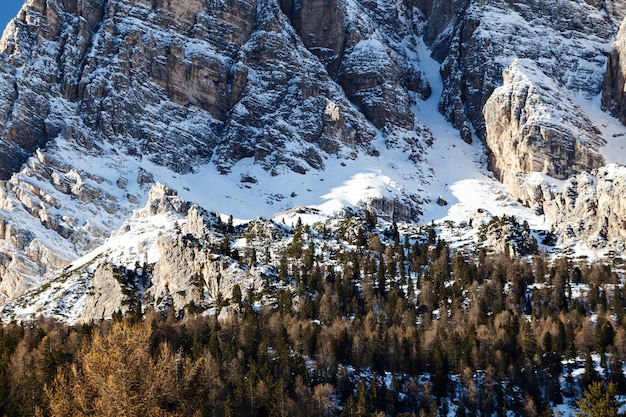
(89, 50)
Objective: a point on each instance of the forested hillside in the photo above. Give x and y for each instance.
(389, 326)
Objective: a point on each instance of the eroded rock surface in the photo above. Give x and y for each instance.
(151, 262)
(566, 39)
(613, 95)
(137, 86)
(533, 127)
(587, 210)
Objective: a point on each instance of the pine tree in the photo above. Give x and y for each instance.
(591, 375)
(236, 294)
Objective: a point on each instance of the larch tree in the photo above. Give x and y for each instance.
(116, 375)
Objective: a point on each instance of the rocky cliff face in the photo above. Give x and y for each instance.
(532, 126)
(613, 98)
(521, 94)
(179, 86)
(585, 211)
(228, 73)
(169, 255)
(565, 39)
(213, 67)
(376, 70)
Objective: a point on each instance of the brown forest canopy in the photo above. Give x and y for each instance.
(480, 335)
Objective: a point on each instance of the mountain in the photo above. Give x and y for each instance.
(416, 110)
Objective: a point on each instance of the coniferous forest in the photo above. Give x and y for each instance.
(393, 327)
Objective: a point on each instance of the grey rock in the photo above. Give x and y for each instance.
(489, 35)
(533, 127)
(613, 97)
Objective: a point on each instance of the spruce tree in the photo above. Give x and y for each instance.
(599, 401)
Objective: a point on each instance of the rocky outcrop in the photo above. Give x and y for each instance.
(187, 273)
(489, 35)
(517, 93)
(589, 207)
(586, 210)
(536, 134)
(105, 296)
(506, 235)
(401, 208)
(532, 127)
(45, 211)
(151, 262)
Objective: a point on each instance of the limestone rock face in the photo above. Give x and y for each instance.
(519, 94)
(152, 76)
(613, 96)
(151, 262)
(566, 39)
(106, 295)
(532, 127)
(586, 210)
(134, 87)
(188, 270)
(586, 196)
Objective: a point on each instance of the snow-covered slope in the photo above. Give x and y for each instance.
(225, 104)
